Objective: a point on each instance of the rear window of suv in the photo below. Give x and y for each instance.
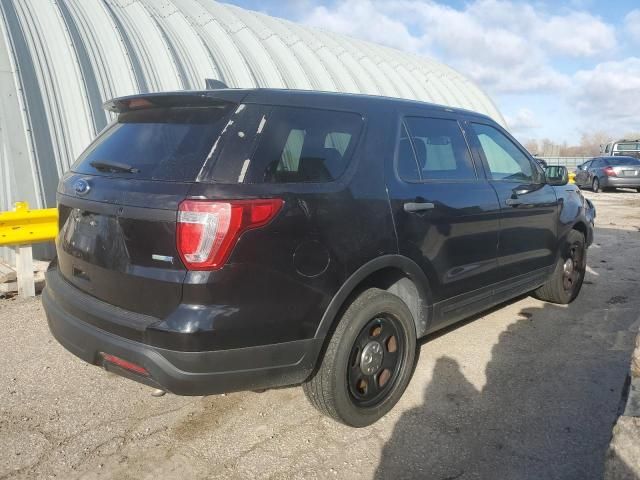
(275, 144)
(168, 144)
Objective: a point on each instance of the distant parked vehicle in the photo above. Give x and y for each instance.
(624, 148)
(602, 173)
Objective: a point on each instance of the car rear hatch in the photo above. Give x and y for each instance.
(118, 204)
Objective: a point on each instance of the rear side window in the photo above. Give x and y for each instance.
(286, 145)
(157, 143)
(433, 149)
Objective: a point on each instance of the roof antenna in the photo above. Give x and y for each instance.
(213, 84)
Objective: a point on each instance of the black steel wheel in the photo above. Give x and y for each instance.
(566, 281)
(368, 361)
(375, 360)
(573, 268)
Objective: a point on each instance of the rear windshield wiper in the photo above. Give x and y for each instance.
(113, 167)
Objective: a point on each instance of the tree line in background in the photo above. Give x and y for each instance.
(589, 145)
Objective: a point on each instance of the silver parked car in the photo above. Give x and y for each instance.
(602, 173)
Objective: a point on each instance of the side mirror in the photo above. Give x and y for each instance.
(557, 175)
(579, 167)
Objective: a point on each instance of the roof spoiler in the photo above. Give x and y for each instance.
(203, 98)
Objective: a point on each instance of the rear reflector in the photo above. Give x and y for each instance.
(132, 367)
(208, 230)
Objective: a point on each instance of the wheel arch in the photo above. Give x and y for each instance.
(394, 273)
(581, 227)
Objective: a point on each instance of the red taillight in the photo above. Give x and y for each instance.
(132, 367)
(208, 230)
(610, 172)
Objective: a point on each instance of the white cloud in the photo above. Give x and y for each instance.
(523, 120)
(632, 25)
(506, 47)
(605, 97)
(577, 34)
(356, 18)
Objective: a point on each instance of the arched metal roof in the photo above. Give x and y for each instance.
(60, 60)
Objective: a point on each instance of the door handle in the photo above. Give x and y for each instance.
(418, 207)
(513, 202)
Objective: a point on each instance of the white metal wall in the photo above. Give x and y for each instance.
(60, 59)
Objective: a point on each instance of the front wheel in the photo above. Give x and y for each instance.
(566, 281)
(368, 362)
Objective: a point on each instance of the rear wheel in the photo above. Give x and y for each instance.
(368, 362)
(566, 281)
(595, 186)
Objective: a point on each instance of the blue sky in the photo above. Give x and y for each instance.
(556, 69)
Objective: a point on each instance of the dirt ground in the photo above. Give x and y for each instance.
(527, 390)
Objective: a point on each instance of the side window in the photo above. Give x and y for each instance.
(407, 166)
(440, 149)
(305, 145)
(504, 159)
(264, 144)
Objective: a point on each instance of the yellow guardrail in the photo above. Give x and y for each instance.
(19, 229)
(24, 226)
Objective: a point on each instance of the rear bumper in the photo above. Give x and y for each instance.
(620, 182)
(180, 372)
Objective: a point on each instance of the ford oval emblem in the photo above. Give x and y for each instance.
(81, 187)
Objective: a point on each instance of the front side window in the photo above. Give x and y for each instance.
(504, 159)
(438, 148)
(286, 145)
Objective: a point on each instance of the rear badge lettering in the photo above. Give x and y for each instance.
(162, 258)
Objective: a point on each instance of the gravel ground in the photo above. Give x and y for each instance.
(527, 390)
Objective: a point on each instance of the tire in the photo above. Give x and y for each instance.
(340, 388)
(595, 186)
(559, 289)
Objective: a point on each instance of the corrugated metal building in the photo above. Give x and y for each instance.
(61, 59)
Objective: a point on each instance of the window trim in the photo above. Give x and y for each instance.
(402, 118)
(485, 163)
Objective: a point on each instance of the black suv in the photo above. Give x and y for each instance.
(246, 239)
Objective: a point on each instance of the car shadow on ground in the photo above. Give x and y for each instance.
(546, 410)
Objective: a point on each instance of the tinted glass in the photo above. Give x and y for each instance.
(159, 143)
(504, 159)
(440, 149)
(287, 145)
(407, 166)
(624, 161)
